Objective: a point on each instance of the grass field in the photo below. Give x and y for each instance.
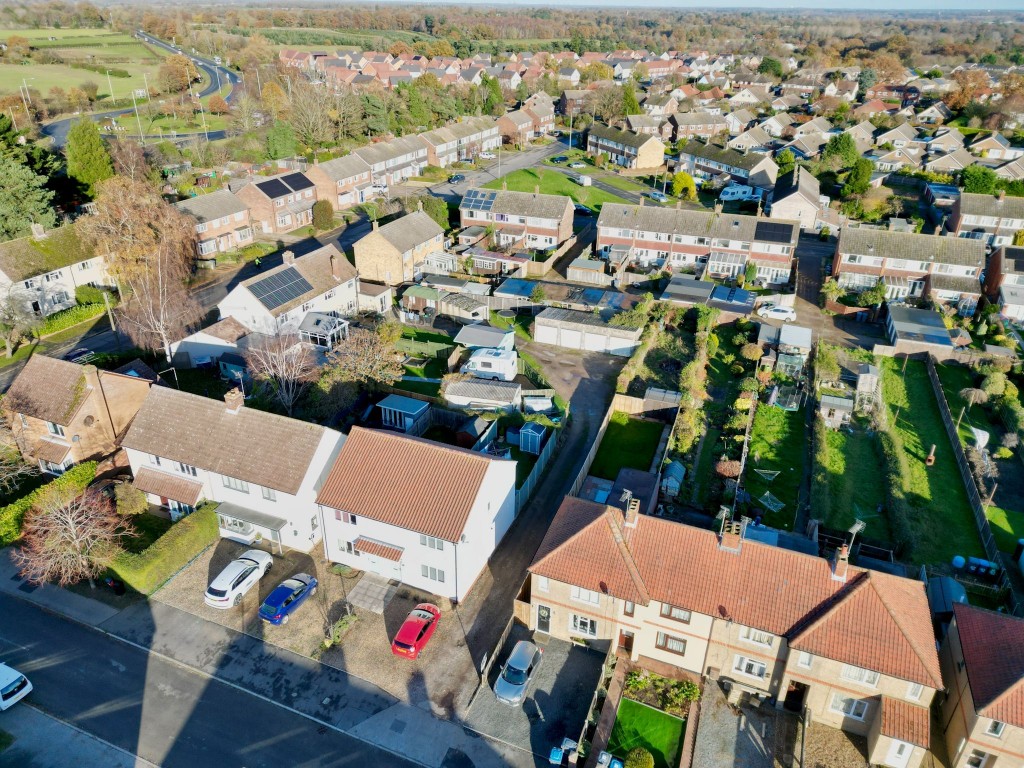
(854, 466)
(554, 183)
(777, 443)
(943, 525)
(637, 725)
(627, 443)
(317, 39)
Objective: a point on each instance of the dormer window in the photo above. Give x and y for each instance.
(55, 429)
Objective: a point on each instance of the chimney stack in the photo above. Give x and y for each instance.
(289, 257)
(336, 265)
(731, 538)
(1001, 195)
(234, 400)
(841, 563)
(375, 225)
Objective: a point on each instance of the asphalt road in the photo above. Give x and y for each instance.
(58, 130)
(496, 169)
(164, 712)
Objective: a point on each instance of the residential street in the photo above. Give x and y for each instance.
(496, 169)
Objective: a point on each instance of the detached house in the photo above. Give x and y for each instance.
(395, 253)
(343, 181)
(222, 221)
(63, 413)
(461, 141)
(426, 514)
(625, 148)
(279, 203)
(995, 146)
(278, 300)
(519, 219)
(854, 647)
(264, 469)
(993, 219)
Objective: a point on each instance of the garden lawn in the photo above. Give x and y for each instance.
(520, 324)
(420, 387)
(147, 529)
(555, 183)
(777, 442)
(854, 467)
(637, 725)
(955, 378)
(627, 442)
(944, 524)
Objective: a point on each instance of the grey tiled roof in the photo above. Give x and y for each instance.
(800, 182)
(626, 138)
(344, 167)
(317, 269)
(215, 205)
(410, 230)
(650, 218)
(468, 127)
(389, 150)
(720, 154)
(537, 206)
(989, 205)
(904, 245)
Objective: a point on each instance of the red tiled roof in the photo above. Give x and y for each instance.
(51, 450)
(378, 548)
(407, 482)
(905, 721)
(993, 649)
(783, 592)
(168, 486)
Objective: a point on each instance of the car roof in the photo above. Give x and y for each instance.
(410, 628)
(8, 674)
(522, 654)
(231, 571)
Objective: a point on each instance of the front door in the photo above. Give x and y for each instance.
(543, 619)
(625, 641)
(899, 754)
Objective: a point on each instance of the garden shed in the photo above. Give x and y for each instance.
(531, 437)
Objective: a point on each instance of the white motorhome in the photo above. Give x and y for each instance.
(739, 192)
(494, 364)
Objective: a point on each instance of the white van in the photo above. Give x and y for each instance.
(584, 180)
(494, 364)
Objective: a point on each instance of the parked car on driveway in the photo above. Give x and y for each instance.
(511, 685)
(287, 597)
(455, 178)
(488, 155)
(237, 578)
(776, 312)
(80, 355)
(416, 630)
(14, 687)
(559, 159)
(658, 197)
(577, 165)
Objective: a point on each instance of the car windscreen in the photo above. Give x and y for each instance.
(403, 646)
(13, 687)
(426, 616)
(513, 675)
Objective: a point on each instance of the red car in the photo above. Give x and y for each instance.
(416, 630)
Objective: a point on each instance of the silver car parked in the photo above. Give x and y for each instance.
(511, 685)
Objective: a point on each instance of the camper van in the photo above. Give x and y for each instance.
(739, 192)
(494, 364)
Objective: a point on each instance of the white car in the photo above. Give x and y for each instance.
(577, 165)
(238, 578)
(14, 687)
(775, 312)
(487, 155)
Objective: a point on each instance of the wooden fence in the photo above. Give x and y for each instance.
(588, 460)
(524, 492)
(541, 268)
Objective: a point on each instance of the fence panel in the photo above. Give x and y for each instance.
(524, 493)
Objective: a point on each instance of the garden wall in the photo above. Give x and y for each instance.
(541, 268)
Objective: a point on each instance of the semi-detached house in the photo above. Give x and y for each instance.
(395, 253)
(343, 181)
(1004, 281)
(426, 514)
(993, 219)
(854, 647)
(279, 203)
(677, 238)
(264, 470)
(519, 219)
(625, 148)
(222, 221)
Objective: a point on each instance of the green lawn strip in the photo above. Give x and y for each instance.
(705, 464)
(554, 183)
(420, 387)
(1007, 527)
(520, 324)
(627, 442)
(777, 442)
(637, 725)
(433, 369)
(419, 335)
(854, 467)
(953, 379)
(944, 526)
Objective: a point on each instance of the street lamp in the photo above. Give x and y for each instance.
(110, 86)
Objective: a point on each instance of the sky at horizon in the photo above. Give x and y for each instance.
(979, 6)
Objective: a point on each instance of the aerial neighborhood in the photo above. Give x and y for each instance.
(512, 387)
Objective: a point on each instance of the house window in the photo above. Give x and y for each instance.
(269, 494)
(628, 608)
(55, 429)
(581, 595)
(543, 584)
(671, 644)
(434, 574)
(201, 227)
(345, 517)
(583, 625)
(995, 728)
(804, 660)
(914, 691)
(674, 613)
(314, 522)
(186, 469)
(349, 549)
(757, 637)
(431, 543)
(84, 266)
(854, 708)
(236, 485)
(859, 675)
(749, 667)
(977, 759)
(154, 460)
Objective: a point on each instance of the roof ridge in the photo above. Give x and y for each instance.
(169, 392)
(903, 631)
(618, 536)
(840, 598)
(439, 447)
(535, 565)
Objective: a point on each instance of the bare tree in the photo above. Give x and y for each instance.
(17, 320)
(13, 468)
(311, 116)
(129, 160)
(69, 537)
(284, 365)
(973, 396)
(244, 114)
(150, 248)
(369, 356)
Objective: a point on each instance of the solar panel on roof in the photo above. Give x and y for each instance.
(272, 188)
(297, 181)
(280, 288)
(478, 200)
(769, 232)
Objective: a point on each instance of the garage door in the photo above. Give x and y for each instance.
(594, 342)
(571, 339)
(346, 199)
(545, 334)
(623, 347)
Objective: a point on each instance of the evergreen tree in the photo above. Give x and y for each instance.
(859, 180)
(24, 200)
(88, 160)
(843, 148)
(979, 179)
(494, 101)
(770, 66)
(280, 141)
(786, 161)
(630, 106)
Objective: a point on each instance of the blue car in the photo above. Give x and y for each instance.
(287, 597)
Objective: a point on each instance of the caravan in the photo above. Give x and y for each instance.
(494, 364)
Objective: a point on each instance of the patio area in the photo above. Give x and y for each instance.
(747, 736)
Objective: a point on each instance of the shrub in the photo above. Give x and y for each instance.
(67, 318)
(130, 500)
(12, 516)
(1003, 453)
(147, 570)
(639, 758)
(323, 215)
(89, 294)
(994, 384)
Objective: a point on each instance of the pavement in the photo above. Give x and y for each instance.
(372, 593)
(76, 607)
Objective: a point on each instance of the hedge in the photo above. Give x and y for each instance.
(67, 318)
(12, 516)
(146, 571)
(898, 507)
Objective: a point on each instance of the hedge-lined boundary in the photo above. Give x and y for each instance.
(13, 515)
(67, 318)
(147, 571)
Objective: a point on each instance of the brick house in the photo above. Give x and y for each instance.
(519, 219)
(707, 161)
(63, 413)
(343, 181)
(797, 196)
(516, 127)
(625, 148)
(854, 647)
(993, 219)
(573, 102)
(222, 221)
(697, 125)
(1004, 281)
(395, 253)
(279, 203)
(392, 162)
(461, 141)
(721, 243)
